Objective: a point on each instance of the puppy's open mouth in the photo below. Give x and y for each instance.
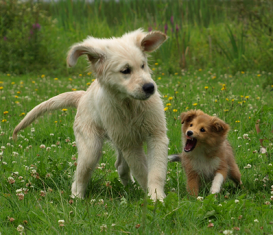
(190, 144)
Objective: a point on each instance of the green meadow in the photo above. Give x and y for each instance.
(218, 58)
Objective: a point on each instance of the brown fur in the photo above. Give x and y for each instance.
(212, 157)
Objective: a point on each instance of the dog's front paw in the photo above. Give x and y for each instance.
(154, 195)
(215, 190)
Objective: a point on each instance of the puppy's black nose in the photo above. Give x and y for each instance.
(148, 88)
(189, 133)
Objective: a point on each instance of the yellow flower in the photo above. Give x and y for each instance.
(247, 97)
(169, 104)
(259, 75)
(163, 74)
(215, 101)
(170, 98)
(206, 87)
(56, 121)
(237, 121)
(18, 92)
(12, 83)
(89, 73)
(1, 82)
(242, 72)
(87, 84)
(232, 100)
(165, 96)
(159, 78)
(242, 96)
(227, 99)
(8, 74)
(4, 120)
(156, 63)
(33, 82)
(176, 74)
(166, 108)
(6, 112)
(187, 108)
(226, 110)
(200, 70)
(249, 117)
(195, 104)
(1, 88)
(43, 76)
(56, 79)
(70, 79)
(213, 77)
(80, 74)
(21, 83)
(16, 96)
(223, 88)
(258, 98)
(153, 69)
(17, 102)
(22, 114)
(93, 79)
(176, 92)
(64, 110)
(36, 89)
(74, 89)
(174, 110)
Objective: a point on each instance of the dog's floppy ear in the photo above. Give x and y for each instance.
(152, 41)
(94, 55)
(219, 125)
(187, 116)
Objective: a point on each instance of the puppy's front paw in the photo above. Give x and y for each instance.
(157, 196)
(215, 189)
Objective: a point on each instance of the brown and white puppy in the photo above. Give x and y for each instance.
(121, 105)
(206, 152)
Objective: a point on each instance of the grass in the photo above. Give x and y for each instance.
(37, 170)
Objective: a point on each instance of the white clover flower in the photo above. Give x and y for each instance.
(103, 227)
(256, 221)
(61, 223)
(247, 166)
(51, 134)
(220, 205)
(245, 136)
(20, 228)
(19, 190)
(199, 198)
(227, 232)
(4, 163)
(101, 201)
(92, 200)
(32, 129)
(42, 146)
(239, 138)
(270, 164)
(237, 201)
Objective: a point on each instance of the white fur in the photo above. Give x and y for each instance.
(217, 183)
(117, 107)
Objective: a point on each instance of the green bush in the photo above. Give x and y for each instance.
(24, 37)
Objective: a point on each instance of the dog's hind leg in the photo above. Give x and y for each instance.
(234, 173)
(89, 145)
(123, 169)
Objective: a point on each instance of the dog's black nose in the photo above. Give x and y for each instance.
(189, 133)
(148, 88)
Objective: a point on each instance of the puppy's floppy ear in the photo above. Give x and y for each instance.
(219, 125)
(188, 116)
(77, 50)
(152, 41)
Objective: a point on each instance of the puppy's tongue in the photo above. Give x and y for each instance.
(190, 144)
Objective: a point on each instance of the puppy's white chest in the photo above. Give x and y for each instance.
(205, 166)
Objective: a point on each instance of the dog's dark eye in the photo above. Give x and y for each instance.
(142, 66)
(126, 71)
(202, 129)
(190, 124)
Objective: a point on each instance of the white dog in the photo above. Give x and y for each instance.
(121, 105)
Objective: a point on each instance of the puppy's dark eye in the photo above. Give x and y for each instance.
(202, 129)
(126, 71)
(142, 66)
(190, 124)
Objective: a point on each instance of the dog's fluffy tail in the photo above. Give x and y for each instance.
(64, 100)
(174, 158)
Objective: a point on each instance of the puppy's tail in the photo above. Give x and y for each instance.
(64, 100)
(174, 158)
